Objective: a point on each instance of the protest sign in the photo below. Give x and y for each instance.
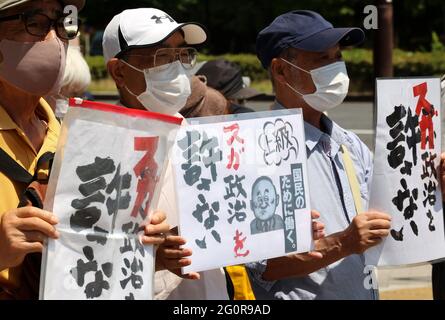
(241, 188)
(103, 186)
(406, 179)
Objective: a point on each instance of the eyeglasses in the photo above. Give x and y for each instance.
(39, 25)
(165, 56)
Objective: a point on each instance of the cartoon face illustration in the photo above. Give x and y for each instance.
(264, 198)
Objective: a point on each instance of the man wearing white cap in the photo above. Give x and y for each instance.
(148, 54)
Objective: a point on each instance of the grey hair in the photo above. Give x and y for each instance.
(77, 76)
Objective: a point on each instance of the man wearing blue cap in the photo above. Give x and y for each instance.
(301, 50)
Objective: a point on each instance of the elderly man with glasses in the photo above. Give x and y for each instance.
(149, 56)
(34, 37)
(33, 42)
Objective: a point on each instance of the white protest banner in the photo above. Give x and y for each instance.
(241, 188)
(406, 178)
(103, 186)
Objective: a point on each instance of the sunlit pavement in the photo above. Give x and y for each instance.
(405, 283)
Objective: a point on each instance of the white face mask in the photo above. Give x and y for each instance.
(168, 88)
(332, 83)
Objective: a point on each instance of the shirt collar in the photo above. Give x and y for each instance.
(43, 110)
(313, 136)
(45, 113)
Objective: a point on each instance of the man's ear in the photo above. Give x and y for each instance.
(115, 69)
(277, 200)
(277, 70)
(252, 207)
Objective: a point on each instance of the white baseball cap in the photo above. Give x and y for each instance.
(146, 27)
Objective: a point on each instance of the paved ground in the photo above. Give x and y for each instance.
(405, 283)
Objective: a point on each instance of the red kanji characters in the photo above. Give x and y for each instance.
(234, 157)
(239, 245)
(147, 172)
(428, 112)
(233, 127)
(234, 160)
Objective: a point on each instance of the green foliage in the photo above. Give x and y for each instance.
(358, 61)
(97, 66)
(360, 69)
(436, 45)
(233, 24)
(418, 64)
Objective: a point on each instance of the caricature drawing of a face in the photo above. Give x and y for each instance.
(264, 199)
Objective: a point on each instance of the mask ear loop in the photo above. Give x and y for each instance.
(297, 67)
(293, 89)
(136, 69)
(132, 67)
(131, 92)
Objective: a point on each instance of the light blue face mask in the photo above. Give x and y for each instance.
(332, 85)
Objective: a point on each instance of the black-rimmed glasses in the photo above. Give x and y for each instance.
(39, 25)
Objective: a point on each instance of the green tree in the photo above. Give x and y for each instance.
(234, 24)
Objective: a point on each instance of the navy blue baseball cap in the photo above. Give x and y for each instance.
(305, 30)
